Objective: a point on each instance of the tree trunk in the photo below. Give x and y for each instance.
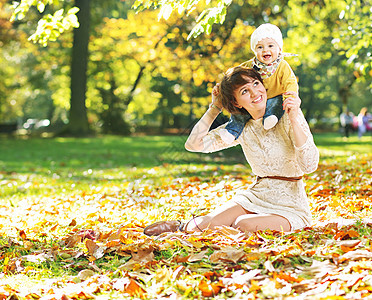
(112, 117)
(78, 120)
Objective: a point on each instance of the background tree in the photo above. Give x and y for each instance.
(78, 118)
(315, 33)
(12, 77)
(355, 35)
(50, 26)
(137, 62)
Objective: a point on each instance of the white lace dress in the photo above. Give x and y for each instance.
(273, 153)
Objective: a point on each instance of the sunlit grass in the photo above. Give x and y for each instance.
(333, 144)
(65, 165)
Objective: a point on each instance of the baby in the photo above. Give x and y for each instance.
(277, 75)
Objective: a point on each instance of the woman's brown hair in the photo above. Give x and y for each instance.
(234, 78)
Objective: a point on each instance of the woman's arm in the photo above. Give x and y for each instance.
(194, 142)
(291, 105)
(307, 154)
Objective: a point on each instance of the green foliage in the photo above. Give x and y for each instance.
(213, 12)
(22, 8)
(209, 17)
(355, 38)
(50, 26)
(328, 79)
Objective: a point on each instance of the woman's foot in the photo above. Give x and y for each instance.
(163, 226)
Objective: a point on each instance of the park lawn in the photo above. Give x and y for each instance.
(72, 213)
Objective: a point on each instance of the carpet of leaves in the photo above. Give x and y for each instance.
(90, 244)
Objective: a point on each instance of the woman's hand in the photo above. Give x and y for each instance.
(195, 142)
(216, 100)
(291, 105)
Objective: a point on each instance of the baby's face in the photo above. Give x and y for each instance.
(267, 50)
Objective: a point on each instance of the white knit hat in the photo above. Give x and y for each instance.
(266, 31)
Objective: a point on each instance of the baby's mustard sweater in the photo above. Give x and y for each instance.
(283, 80)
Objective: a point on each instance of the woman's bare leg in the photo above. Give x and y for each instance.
(225, 215)
(232, 214)
(254, 222)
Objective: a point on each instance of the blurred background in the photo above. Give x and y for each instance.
(145, 77)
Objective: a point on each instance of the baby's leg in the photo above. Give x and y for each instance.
(274, 111)
(234, 127)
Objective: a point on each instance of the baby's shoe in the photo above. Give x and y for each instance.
(226, 136)
(270, 122)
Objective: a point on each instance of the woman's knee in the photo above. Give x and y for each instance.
(245, 224)
(210, 222)
(197, 223)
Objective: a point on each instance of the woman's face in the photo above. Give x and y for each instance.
(252, 96)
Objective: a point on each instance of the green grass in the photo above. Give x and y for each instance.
(334, 145)
(24, 155)
(60, 165)
(109, 152)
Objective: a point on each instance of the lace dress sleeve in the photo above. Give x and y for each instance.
(307, 156)
(213, 141)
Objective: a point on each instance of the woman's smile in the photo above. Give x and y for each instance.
(257, 100)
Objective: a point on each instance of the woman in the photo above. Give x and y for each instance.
(279, 157)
